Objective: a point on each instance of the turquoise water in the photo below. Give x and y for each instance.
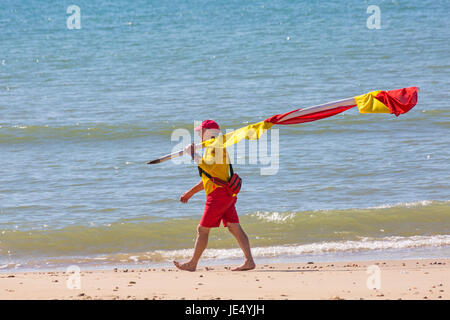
(81, 111)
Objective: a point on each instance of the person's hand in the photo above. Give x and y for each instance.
(185, 197)
(189, 149)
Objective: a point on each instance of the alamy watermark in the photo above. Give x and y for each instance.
(74, 279)
(374, 279)
(250, 150)
(74, 20)
(374, 20)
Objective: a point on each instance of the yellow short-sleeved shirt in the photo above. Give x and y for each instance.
(216, 168)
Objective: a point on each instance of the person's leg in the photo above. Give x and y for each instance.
(200, 246)
(237, 231)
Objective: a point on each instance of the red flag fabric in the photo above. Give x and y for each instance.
(279, 118)
(399, 101)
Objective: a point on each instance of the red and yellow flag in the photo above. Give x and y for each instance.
(394, 101)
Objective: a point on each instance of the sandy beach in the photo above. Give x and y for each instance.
(406, 280)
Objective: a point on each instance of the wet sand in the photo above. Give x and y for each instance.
(405, 279)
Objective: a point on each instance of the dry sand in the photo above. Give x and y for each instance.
(406, 279)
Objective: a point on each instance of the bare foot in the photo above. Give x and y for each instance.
(187, 266)
(248, 265)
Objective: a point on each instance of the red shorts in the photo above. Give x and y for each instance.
(219, 206)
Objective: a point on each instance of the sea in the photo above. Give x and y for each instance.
(92, 90)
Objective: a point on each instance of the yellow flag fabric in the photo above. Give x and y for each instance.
(250, 132)
(367, 103)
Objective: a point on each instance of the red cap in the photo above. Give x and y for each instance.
(207, 124)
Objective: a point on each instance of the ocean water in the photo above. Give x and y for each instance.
(82, 110)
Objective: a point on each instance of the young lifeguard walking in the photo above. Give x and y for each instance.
(219, 186)
(219, 205)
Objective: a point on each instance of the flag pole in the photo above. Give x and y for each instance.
(166, 157)
(172, 155)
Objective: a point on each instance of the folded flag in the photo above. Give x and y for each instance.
(394, 101)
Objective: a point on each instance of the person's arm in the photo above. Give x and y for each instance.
(188, 194)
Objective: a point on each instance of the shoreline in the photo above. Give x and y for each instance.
(420, 253)
(398, 279)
